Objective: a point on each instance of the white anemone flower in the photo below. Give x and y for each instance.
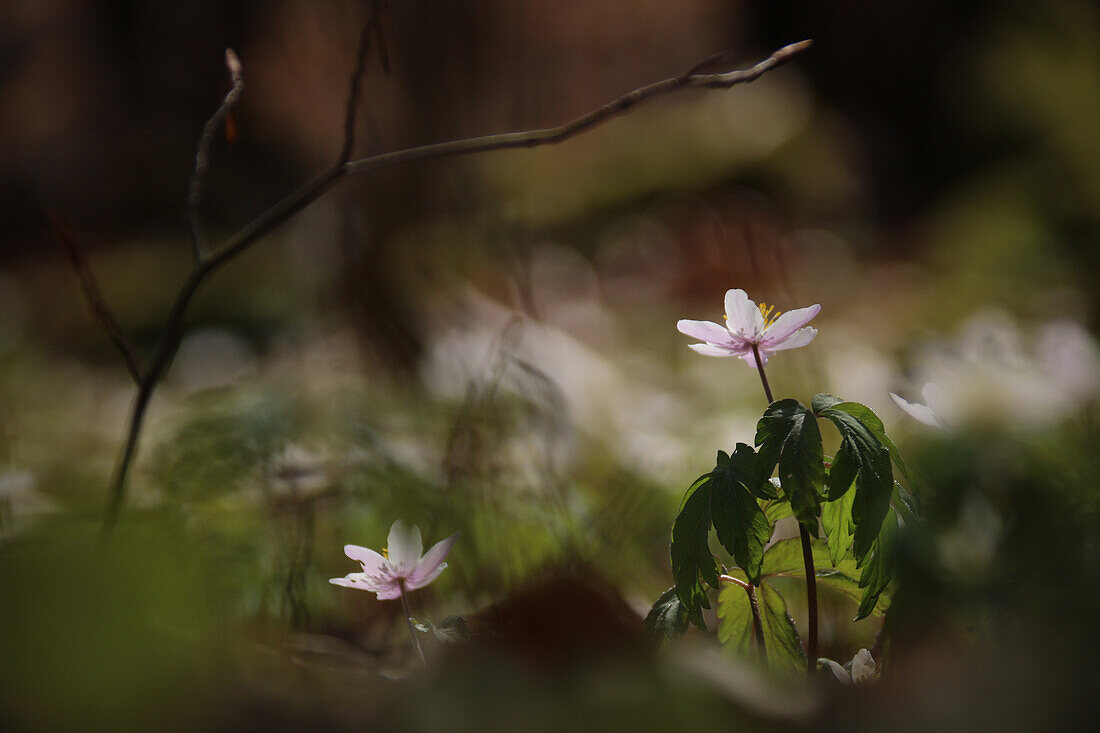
(751, 327)
(399, 568)
(863, 669)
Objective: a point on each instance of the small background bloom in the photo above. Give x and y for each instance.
(398, 568)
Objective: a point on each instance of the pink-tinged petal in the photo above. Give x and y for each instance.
(358, 581)
(708, 331)
(789, 323)
(405, 547)
(920, 413)
(750, 358)
(799, 338)
(427, 578)
(389, 592)
(431, 565)
(371, 560)
(742, 315)
(712, 350)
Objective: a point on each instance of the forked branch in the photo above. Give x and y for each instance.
(206, 263)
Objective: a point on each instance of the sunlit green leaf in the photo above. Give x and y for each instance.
(785, 559)
(836, 518)
(781, 641)
(735, 625)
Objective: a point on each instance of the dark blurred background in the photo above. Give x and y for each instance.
(488, 344)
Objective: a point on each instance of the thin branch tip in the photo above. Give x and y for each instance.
(232, 63)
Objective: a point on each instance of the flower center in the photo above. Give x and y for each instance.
(770, 313)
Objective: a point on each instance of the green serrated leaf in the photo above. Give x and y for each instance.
(875, 477)
(776, 509)
(740, 524)
(787, 435)
(823, 401)
(867, 416)
(782, 644)
(836, 519)
(842, 472)
(878, 567)
(690, 552)
(735, 625)
(668, 619)
(784, 559)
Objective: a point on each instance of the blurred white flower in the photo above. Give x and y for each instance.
(987, 375)
(925, 413)
(20, 502)
(863, 669)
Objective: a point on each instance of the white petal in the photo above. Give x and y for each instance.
(789, 323)
(799, 338)
(405, 547)
(712, 350)
(920, 413)
(359, 581)
(708, 331)
(863, 666)
(842, 676)
(742, 315)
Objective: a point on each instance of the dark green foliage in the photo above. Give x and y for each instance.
(668, 619)
(690, 552)
(740, 524)
(879, 567)
(788, 435)
(861, 452)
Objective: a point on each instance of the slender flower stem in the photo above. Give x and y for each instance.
(763, 376)
(757, 624)
(811, 597)
(807, 549)
(754, 605)
(409, 621)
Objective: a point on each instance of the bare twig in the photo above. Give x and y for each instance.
(94, 296)
(343, 166)
(202, 152)
(551, 135)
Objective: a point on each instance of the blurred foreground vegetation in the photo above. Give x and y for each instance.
(489, 347)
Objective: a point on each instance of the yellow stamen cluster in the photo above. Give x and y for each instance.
(386, 552)
(770, 313)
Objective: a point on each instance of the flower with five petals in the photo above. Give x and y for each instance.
(749, 325)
